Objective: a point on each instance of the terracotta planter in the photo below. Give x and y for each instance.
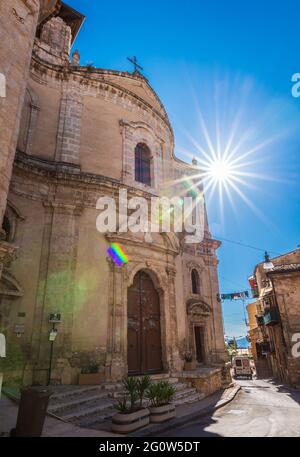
(126, 423)
(91, 379)
(162, 413)
(188, 366)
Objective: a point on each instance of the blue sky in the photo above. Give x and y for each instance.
(223, 60)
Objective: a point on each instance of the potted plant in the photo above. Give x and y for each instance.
(160, 395)
(189, 363)
(90, 375)
(132, 414)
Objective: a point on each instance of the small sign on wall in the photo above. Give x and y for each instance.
(53, 335)
(19, 329)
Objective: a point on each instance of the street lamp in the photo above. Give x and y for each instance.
(268, 265)
(53, 319)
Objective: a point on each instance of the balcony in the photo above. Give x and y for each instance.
(271, 317)
(263, 348)
(260, 320)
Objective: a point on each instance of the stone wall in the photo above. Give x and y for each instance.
(18, 23)
(287, 287)
(205, 380)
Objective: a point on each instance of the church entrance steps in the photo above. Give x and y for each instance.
(93, 406)
(191, 398)
(88, 409)
(61, 407)
(160, 376)
(184, 393)
(62, 393)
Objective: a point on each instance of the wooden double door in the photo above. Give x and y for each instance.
(144, 354)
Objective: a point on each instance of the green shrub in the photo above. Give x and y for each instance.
(92, 368)
(160, 393)
(134, 394)
(122, 405)
(131, 391)
(142, 385)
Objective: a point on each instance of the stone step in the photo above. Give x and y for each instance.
(96, 418)
(60, 406)
(188, 391)
(190, 395)
(87, 409)
(182, 385)
(189, 399)
(159, 376)
(89, 406)
(74, 391)
(111, 387)
(174, 381)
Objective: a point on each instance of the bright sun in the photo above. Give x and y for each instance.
(219, 171)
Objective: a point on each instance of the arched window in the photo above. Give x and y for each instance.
(195, 282)
(143, 164)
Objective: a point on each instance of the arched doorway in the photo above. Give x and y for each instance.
(144, 354)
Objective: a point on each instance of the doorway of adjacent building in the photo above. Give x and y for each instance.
(199, 343)
(144, 354)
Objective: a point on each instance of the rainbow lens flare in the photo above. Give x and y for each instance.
(118, 255)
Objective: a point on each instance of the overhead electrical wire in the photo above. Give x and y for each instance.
(247, 245)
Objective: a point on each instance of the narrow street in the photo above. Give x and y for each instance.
(260, 409)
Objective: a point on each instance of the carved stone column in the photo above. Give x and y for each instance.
(175, 360)
(56, 293)
(116, 367)
(219, 355)
(69, 128)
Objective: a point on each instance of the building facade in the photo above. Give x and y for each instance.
(277, 334)
(258, 341)
(82, 133)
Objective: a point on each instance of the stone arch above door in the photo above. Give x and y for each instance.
(158, 275)
(197, 308)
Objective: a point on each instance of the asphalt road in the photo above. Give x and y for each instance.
(261, 408)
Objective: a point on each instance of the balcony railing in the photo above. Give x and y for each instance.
(271, 316)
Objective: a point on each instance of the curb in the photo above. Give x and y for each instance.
(158, 429)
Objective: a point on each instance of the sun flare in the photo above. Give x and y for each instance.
(220, 171)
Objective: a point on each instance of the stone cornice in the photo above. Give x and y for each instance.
(131, 241)
(70, 175)
(96, 77)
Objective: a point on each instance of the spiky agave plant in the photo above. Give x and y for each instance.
(143, 384)
(130, 385)
(122, 405)
(160, 393)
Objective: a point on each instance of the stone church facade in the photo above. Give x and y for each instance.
(72, 134)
